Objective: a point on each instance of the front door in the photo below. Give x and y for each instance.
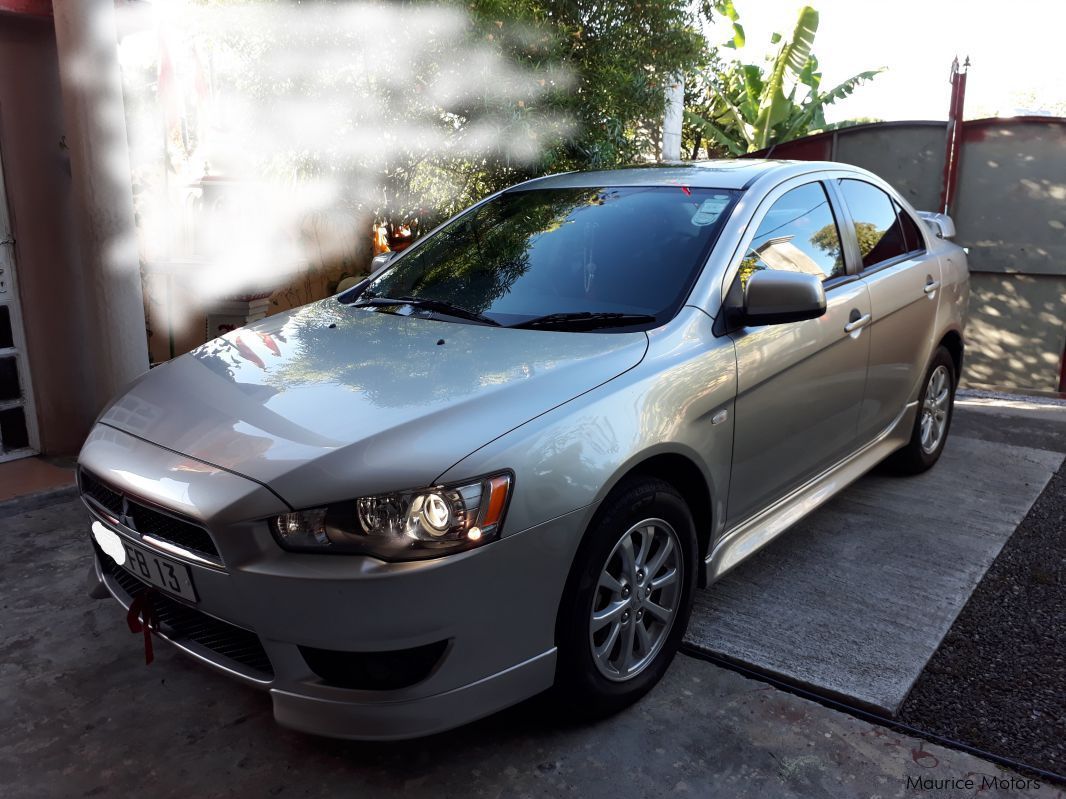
(800, 385)
(18, 428)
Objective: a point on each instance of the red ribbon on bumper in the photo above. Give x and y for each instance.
(142, 618)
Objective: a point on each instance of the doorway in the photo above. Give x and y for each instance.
(18, 417)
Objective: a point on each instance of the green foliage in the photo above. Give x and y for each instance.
(619, 55)
(743, 108)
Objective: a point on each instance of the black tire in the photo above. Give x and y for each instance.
(913, 457)
(581, 689)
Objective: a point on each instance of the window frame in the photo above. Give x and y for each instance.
(903, 212)
(855, 253)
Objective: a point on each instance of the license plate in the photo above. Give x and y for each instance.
(164, 573)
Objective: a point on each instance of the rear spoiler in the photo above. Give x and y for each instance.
(941, 225)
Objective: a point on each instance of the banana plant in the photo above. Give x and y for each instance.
(744, 108)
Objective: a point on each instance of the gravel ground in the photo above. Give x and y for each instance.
(998, 679)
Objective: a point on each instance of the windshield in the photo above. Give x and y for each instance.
(624, 252)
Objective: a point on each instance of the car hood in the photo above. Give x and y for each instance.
(330, 401)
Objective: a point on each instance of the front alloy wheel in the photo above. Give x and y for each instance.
(637, 599)
(627, 599)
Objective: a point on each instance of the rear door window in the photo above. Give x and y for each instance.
(877, 227)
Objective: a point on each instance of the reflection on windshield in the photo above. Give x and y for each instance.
(527, 254)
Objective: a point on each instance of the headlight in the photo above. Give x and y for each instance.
(406, 525)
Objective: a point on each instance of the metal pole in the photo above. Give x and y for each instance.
(672, 118)
(954, 134)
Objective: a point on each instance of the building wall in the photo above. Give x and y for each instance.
(37, 174)
(1010, 212)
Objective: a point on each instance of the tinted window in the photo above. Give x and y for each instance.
(876, 227)
(912, 237)
(798, 234)
(544, 251)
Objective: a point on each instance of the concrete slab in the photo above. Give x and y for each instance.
(854, 600)
(83, 716)
(1037, 422)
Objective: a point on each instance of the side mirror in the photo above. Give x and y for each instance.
(941, 225)
(379, 262)
(774, 297)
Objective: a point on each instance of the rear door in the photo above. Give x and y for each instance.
(800, 385)
(893, 261)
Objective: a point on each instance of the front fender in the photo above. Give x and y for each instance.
(672, 402)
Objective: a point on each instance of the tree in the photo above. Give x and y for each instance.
(745, 108)
(619, 56)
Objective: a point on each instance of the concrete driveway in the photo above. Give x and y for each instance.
(83, 716)
(857, 597)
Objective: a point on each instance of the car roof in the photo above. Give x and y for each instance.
(734, 173)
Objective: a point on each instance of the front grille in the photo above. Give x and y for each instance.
(108, 498)
(159, 525)
(149, 521)
(181, 622)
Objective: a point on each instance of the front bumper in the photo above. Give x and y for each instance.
(495, 606)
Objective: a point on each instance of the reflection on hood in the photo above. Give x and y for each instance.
(328, 397)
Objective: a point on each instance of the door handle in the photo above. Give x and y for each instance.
(932, 286)
(857, 323)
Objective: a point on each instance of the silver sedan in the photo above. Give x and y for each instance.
(504, 462)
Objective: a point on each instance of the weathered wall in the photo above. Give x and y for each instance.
(37, 174)
(1015, 332)
(1010, 211)
(910, 158)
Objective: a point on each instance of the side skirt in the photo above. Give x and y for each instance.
(755, 532)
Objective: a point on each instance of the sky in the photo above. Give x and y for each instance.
(1015, 51)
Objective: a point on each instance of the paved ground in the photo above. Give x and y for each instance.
(855, 599)
(84, 717)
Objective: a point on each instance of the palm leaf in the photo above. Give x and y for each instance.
(798, 49)
(730, 111)
(815, 106)
(847, 87)
(774, 106)
(716, 134)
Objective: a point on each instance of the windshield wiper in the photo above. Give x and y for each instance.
(440, 306)
(587, 320)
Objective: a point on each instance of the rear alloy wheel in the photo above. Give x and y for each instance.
(933, 422)
(931, 426)
(627, 599)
